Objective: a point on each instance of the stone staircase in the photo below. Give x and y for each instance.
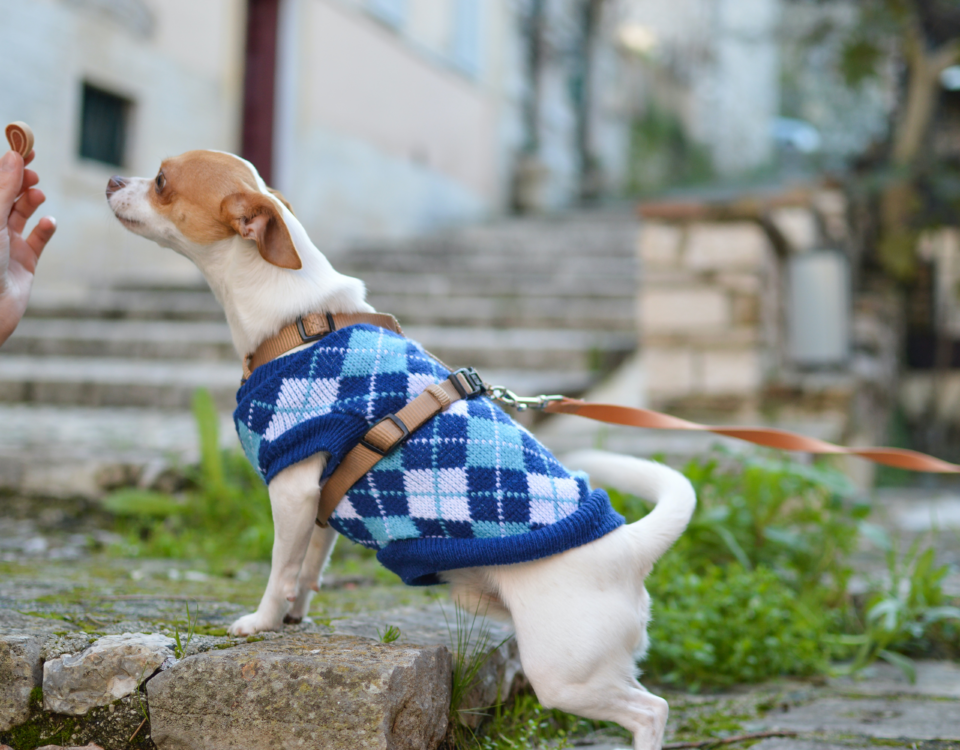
(541, 305)
(96, 391)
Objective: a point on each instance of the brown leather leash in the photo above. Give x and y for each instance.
(769, 437)
(394, 429)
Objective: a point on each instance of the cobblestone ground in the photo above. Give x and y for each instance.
(52, 565)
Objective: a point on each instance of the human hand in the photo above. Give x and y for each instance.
(18, 256)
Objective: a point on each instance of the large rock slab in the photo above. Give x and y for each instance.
(306, 690)
(108, 670)
(21, 670)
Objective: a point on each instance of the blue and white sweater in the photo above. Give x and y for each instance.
(470, 487)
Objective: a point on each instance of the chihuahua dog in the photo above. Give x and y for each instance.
(578, 605)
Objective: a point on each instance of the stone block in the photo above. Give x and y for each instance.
(729, 373)
(668, 372)
(443, 624)
(716, 247)
(741, 282)
(307, 690)
(799, 227)
(677, 310)
(110, 669)
(21, 670)
(659, 245)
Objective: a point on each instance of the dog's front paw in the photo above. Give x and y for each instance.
(250, 624)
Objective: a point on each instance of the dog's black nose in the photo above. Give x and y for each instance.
(116, 183)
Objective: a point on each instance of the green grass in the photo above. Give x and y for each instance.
(222, 517)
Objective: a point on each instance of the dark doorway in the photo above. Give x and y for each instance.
(258, 85)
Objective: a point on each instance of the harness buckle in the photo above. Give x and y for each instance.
(304, 336)
(473, 380)
(398, 422)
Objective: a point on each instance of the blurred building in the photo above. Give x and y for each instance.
(715, 66)
(377, 118)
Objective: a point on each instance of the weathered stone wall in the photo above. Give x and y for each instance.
(714, 317)
(703, 290)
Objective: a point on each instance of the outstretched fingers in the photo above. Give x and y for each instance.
(23, 209)
(39, 238)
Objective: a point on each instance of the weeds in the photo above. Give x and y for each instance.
(901, 615)
(472, 647)
(391, 634)
(180, 649)
(223, 516)
(756, 587)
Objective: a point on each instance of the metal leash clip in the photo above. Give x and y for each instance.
(507, 397)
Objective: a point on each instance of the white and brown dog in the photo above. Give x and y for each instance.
(580, 616)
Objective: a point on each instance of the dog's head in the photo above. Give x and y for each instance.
(201, 199)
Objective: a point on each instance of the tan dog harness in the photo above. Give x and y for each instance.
(390, 431)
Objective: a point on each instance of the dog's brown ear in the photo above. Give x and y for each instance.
(255, 217)
(279, 196)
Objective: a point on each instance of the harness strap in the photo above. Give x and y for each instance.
(308, 328)
(392, 431)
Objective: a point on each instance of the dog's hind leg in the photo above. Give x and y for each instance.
(294, 494)
(311, 573)
(580, 620)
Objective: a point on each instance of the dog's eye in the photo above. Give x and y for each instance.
(160, 182)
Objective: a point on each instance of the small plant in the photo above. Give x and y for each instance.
(729, 625)
(180, 649)
(391, 634)
(899, 617)
(526, 724)
(222, 517)
(472, 646)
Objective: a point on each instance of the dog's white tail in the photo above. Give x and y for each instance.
(669, 489)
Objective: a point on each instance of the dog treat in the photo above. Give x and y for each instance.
(20, 137)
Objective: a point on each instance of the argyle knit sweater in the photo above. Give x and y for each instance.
(470, 487)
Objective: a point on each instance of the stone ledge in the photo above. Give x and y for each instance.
(348, 689)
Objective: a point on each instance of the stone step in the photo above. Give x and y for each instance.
(555, 237)
(96, 381)
(545, 264)
(75, 451)
(125, 338)
(173, 303)
(615, 314)
(210, 341)
(531, 283)
(524, 348)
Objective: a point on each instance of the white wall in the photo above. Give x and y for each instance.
(179, 61)
(388, 131)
